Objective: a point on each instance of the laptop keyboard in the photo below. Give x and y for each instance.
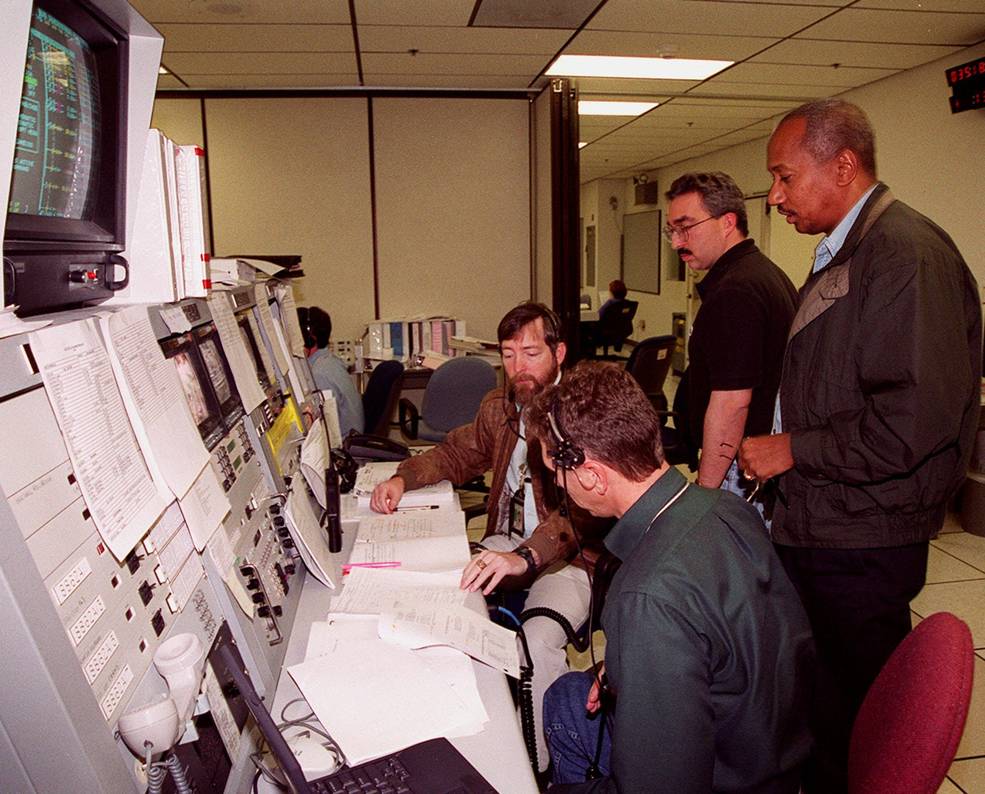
(383, 776)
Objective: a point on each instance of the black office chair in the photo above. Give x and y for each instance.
(451, 399)
(616, 326)
(380, 396)
(649, 364)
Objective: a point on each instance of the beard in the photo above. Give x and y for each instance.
(524, 388)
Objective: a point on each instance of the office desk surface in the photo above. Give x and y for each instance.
(497, 752)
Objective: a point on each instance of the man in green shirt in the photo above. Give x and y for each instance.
(708, 649)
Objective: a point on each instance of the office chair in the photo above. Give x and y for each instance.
(616, 326)
(451, 399)
(908, 729)
(380, 396)
(649, 364)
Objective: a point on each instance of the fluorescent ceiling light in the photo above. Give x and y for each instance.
(162, 70)
(604, 108)
(648, 68)
(582, 144)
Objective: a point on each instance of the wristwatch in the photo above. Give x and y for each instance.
(528, 555)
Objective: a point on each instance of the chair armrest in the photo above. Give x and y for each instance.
(408, 418)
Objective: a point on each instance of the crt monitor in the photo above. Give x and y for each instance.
(197, 387)
(220, 375)
(66, 214)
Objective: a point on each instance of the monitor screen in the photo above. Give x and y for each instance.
(220, 375)
(67, 182)
(197, 387)
(56, 160)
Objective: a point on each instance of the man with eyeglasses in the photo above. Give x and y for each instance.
(739, 334)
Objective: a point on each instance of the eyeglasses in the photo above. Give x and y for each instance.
(682, 231)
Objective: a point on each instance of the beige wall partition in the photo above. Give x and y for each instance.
(452, 180)
(453, 207)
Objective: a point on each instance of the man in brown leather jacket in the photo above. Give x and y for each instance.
(878, 407)
(525, 533)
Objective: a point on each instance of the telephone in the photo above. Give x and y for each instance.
(365, 447)
(154, 729)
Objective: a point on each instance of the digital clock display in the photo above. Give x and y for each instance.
(967, 83)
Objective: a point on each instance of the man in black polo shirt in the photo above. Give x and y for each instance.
(739, 334)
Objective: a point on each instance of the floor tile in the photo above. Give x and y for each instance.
(964, 599)
(973, 741)
(965, 546)
(969, 775)
(947, 787)
(944, 566)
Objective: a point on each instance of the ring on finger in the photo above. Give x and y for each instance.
(481, 563)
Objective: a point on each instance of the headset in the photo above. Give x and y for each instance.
(566, 454)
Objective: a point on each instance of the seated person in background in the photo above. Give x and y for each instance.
(708, 649)
(328, 370)
(618, 291)
(524, 534)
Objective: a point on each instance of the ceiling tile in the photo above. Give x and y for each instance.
(792, 74)
(230, 63)
(391, 38)
(256, 38)
(716, 47)
(797, 93)
(853, 53)
(168, 81)
(433, 63)
(913, 27)
(699, 16)
(570, 14)
(230, 11)
(632, 87)
(453, 13)
(464, 82)
(927, 6)
(270, 81)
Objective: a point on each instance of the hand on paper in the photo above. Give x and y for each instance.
(486, 570)
(763, 457)
(386, 496)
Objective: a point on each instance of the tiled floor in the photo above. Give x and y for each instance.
(956, 583)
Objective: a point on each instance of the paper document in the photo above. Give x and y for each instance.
(422, 554)
(370, 591)
(410, 525)
(310, 539)
(372, 474)
(419, 625)
(114, 478)
(204, 507)
(159, 413)
(240, 360)
(375, 698)
(11, 324)
(289, 316)
(330, 410)
(267, 323)
(314, 461)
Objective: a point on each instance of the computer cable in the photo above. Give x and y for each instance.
(524, 696)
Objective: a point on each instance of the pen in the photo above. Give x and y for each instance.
(350, 565)
(416, 507)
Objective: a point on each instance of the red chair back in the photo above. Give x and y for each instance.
(907, 731)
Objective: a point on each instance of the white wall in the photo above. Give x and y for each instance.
(292, 176)
(543, 285)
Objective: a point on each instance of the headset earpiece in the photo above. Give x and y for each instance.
(565, 455)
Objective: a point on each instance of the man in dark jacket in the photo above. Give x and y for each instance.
(878, 408)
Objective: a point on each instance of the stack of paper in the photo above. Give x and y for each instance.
(441, 494)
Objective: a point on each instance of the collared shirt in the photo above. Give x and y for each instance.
(708, 650)
(518, 471)
(830, 245)
(331, 374)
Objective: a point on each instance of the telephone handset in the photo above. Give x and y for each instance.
(365, 447)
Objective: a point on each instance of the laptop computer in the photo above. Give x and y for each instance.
(431, 767)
